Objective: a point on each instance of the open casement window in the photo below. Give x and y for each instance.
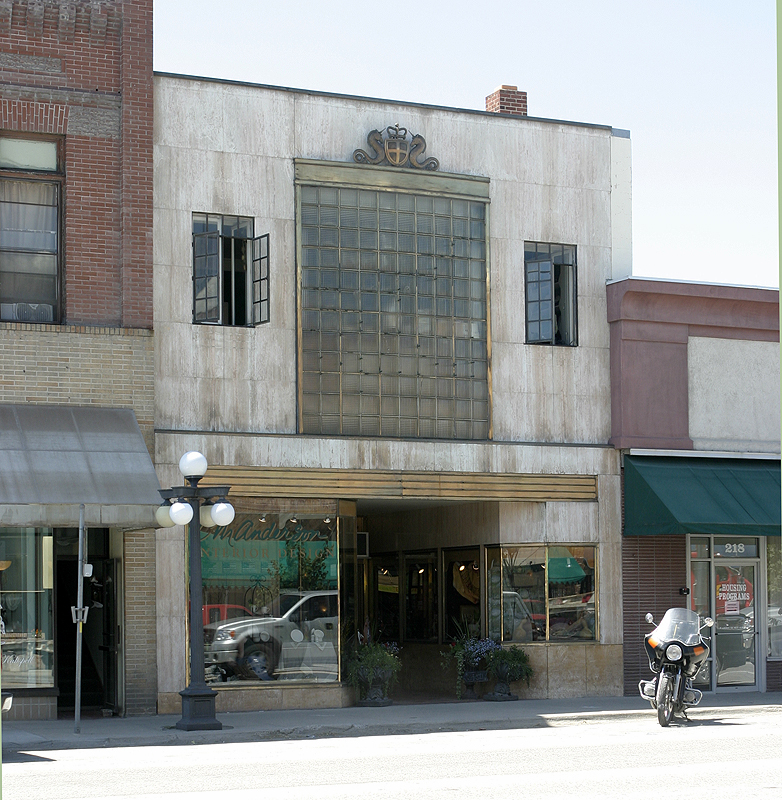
(550, 282)
(230, 272)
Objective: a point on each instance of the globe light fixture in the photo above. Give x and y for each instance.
(193, 465)
(223, 513)
(163, 516)
(181, 513)
(206, 516)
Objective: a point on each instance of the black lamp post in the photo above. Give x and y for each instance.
(196, 506)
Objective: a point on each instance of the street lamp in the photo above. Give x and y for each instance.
(196, 507)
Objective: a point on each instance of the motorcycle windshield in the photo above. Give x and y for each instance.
(679, 624)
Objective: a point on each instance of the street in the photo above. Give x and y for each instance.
(736, 755)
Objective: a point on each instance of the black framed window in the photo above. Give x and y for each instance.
(550, 281)
(30, 208)
(230, 271)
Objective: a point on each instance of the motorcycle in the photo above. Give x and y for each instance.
(676, 651)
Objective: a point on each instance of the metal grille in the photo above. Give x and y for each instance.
(393, 314)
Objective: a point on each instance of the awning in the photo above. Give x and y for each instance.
(53, 458)
(723, 497)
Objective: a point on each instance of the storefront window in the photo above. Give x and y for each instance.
(774, 573)
(539, 593)
(462, 593)
(26, 582)
(271, 606)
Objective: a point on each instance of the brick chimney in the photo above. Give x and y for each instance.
(507, 100)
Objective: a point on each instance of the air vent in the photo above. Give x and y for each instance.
(27, 312)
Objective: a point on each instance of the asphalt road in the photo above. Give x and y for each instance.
(736, 756)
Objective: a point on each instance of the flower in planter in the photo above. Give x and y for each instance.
(505, 666)
(372, 668)
(470, 655)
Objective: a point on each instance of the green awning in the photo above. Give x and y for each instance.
(722, 497)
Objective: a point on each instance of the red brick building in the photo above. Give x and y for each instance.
(75, 338)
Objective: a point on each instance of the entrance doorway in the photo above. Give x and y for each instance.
(725, 582)
(100, 647)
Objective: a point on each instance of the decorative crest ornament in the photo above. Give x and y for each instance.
(396, 150)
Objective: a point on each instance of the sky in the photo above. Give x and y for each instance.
(694, 81)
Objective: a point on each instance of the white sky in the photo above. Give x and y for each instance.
(693, 80)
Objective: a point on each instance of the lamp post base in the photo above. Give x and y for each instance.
(198, 710)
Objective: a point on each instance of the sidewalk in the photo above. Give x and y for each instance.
(395, 719)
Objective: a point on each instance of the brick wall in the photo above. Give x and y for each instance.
(507, 100)
(140, 650)
(654, 568)
(84, 70)
(80, 365)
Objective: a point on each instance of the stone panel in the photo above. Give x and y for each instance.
(567, 673)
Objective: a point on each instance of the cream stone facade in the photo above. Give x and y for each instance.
(734, 393)
(234, 392)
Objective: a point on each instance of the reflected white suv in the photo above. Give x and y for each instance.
(269, 647)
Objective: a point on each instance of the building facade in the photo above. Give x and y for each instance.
(695, 414)
(384, 324)
(76, 352)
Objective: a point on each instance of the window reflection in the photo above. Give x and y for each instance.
(26, 580)
(774, 613)
(271, 608)
(537, 593)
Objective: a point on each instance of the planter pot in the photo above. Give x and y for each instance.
(470, 678)
(373, 686)
(504, 675)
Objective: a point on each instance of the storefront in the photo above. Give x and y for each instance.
(291, 579)
(58, 462)
(726, 514)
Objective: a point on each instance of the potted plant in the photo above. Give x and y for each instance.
(371, 669)
(506, 665)
(470, 655)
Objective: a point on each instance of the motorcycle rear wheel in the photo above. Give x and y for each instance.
(665, 699)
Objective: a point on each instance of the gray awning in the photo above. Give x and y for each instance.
(53, 458)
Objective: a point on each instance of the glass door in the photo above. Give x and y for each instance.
(735, 628)
(725, 580)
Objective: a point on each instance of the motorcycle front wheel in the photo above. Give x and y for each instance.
(665, 698)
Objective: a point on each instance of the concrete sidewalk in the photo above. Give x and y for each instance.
(395, 719)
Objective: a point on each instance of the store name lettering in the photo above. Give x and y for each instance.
(12, 659)
(247, 532)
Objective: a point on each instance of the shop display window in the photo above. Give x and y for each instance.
(774, 607)
(27, 627)
(542, 593)
(271, 604)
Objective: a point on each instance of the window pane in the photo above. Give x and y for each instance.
(28, 154)
(27, 581)
(287, 593)
(522, 605)
(570, 572)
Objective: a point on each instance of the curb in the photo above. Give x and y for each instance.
(228, 735)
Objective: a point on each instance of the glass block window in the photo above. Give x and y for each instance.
(550, 279)
(393, 314)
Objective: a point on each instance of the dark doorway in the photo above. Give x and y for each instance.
(99, 686)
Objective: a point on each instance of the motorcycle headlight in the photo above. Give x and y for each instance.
(673, 652)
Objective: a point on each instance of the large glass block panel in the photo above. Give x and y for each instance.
(371, 283)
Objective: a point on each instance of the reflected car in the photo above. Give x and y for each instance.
(274, 646)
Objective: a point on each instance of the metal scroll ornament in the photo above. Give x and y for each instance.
(396, 150)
